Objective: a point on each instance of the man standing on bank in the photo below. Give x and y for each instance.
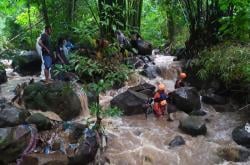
(45, 43)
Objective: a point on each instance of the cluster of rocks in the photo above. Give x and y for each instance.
(185, 99)
(20, 129)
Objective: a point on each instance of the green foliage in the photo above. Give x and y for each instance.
(228, 62)
(153, 23)
(2, 67)
(156, 25)
(102, 75)
(109, 112)
(236, 25)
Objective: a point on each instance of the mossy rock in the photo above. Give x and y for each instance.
(58, 97)
(41, 122)
(13, 141)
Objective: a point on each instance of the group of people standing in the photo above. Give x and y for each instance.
(44, 49)
(163, 101)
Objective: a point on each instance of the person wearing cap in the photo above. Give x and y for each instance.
(180, 81)
(160, 101)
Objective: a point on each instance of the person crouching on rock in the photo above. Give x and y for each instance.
(180, 82)
(160, 101)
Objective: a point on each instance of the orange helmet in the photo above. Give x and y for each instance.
(164, 102)
(183, 75)
(161, 87)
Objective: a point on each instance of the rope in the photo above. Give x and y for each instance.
(32, 143)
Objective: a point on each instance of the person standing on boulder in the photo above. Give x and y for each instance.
(160, 101)
(47, 53)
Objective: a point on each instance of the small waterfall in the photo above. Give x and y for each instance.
(84, 102)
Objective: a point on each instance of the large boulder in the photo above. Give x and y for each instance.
(131, 102)
(58, 97)
(28, 63)
(41, 122)
(193, 125)
(241, 135)
(143, 47)
(211, 98)
(147, 89)
(186, 99)
(11, 116)
(3, 76)
(87, 149)
(14, 141)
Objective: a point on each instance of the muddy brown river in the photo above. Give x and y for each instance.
(135, 140)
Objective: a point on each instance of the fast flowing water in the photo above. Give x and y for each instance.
(136, 140)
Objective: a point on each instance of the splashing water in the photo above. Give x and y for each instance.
(136, 140)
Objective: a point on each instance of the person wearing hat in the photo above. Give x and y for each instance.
(180, 81)
(160, 101)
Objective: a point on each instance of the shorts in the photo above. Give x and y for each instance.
(47, 61)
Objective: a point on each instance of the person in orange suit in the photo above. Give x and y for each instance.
(160, 101)
(180, 81)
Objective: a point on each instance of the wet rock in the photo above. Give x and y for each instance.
(241, 135)
(41, 159)
(150, 71)
(28, 63)
(11, 116)
(198, 113)
(147, 89)
(193, 125)
(211, 98)
(58, 97)
(177, 141)
(224, 108)
(234, 154)
(41, 122)
(130, 102)
(13, 141)
(3, 76)
(74, 130)
(186, 99)
(86, 151)
(143, 47)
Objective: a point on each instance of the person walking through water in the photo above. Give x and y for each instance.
(45, 43)
(160, 101)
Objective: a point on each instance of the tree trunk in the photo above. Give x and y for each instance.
(45, 13)
(71, 10)
(134, 8)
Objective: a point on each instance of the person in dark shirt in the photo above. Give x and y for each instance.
(180, 81)
(60, 52)
(47, 53)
